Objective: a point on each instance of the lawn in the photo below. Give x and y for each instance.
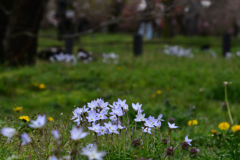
(162, 83)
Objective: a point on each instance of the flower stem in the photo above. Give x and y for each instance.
(226, 100)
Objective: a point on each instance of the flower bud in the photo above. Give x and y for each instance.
(135, 143)
(165, 141)
(184, 145)
(194, 152)
(171, 120)
(169, 151)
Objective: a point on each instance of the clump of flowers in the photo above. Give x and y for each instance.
(224, 126)
(24, 118)
(236, 128)
(102, 121)
(192, 122)
(18, 109)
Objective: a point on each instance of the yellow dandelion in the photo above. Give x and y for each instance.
(42, 86)
(236, 128)
(50, 119)
(159, 92)
(224, 126)
(213, 131)
(192, 122)
(119, 68)
(24, 118)
(18, 109)
(153, 95)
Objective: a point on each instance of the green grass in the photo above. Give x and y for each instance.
(184, 82)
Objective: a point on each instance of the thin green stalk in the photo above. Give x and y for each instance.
(147, 140)
(182, 156)
(226, 100)
(124, 145)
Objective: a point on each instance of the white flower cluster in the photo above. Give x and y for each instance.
(70, 58)
(97, 112)
(110, 57)
(230, 55)
(66, 58)
(178, 51)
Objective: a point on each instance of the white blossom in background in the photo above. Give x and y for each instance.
(140, 117)
(77, 115)
(102, 131)
(55, 134)
(67, 58)
(172, 126)
(146, 130)
(178, 51)
(92, 116)
(77, 133)
(111, 128)
(95, 127)
(110, 57)
(238, 53)
(8, 132)
(39, 123)
(188, 140)
(53, 157)
(160, 117)
(93, 153)
(89, 146)
(136, 106)
(228, 55)
(12, 157)
(25, 138)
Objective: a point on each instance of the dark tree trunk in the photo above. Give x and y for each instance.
(168, 28)
(26, 16)
(6, 7)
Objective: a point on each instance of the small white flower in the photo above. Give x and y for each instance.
(12, 157)
(8, 132)
(95, 127)
(93, 154)
(25, 139)
(89, 146)
(160, 117)
(55, 134)
(39, 123)
(146, 130)
(139, 117)
(53, 157)
(158, 124)
(188, 140)
(77, 133)
(172, 126)
(136, 106)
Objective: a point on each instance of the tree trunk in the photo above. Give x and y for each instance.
(26, 16)
(6, 7)
(168, 28)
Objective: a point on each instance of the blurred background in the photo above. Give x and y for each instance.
(166, 54)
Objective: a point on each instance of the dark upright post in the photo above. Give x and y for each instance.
(226, 44)
(137, 45)
(69, 41)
